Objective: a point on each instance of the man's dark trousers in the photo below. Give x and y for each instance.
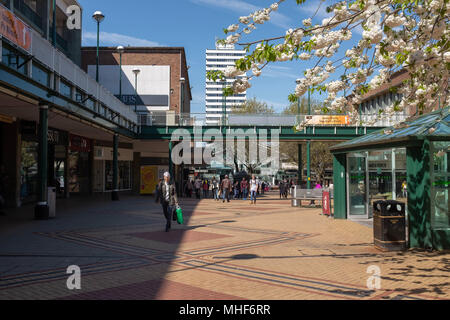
(167, 213)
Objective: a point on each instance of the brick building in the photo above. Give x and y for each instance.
(376, 100)
(163, 87)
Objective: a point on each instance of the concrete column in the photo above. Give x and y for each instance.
(115, 192)
(41, 210)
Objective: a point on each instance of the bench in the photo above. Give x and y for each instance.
(309, 194)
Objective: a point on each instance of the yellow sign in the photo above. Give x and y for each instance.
(327, 120)
(149, 179)
(14, 29)
(6, 119)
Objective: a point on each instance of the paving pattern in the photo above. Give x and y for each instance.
(224, 251)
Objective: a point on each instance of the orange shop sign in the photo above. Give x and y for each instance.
(327, 120)
(13, 29)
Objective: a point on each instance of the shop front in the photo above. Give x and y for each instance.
(372, 176)
(57, 161)
(103, 169)
(79, 165)
(409, 163)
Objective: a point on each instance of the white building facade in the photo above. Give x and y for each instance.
(216, 106)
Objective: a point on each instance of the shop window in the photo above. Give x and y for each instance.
(40, 75)
(65, 89)
(124, 175)
(80, 96)
(90, 104)
(13, 59)
(102, 110)
(29, 171)
(440, 182)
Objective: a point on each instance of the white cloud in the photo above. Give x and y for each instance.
(108, 38)
(310, 8)
(279, 72)
(244, 8)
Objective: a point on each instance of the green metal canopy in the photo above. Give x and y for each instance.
(432, 126)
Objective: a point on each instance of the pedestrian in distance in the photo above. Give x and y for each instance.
(254, 186)
(281, 187)
(215, 188)
(237, 187)
(166, 194)
(244, 189)
(226, 187)
(205, 189)
(197, 187)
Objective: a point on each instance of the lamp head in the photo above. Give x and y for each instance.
(120, 49)
(98, 16)
(136, 71)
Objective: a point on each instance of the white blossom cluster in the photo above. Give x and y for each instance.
(412, 35)
(241, 85)
(257, 17)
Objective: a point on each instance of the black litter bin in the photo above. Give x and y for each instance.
(389, 225)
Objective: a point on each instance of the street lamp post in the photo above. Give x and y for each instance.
(54, 24)
(136, 72)
(182, 82)
(99, 17)
(120, 50)
(308, 146)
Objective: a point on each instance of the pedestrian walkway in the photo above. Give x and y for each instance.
(224, 251)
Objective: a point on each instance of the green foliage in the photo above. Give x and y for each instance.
(253, 106)
(215, 75)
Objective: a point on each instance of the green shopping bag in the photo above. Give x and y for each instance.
(179, 216)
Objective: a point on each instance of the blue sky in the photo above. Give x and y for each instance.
(194, 25)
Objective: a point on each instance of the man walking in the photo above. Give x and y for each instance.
(225, 187)
(215, 188)
(166, 194)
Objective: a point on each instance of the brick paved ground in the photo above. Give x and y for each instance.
(225, 251)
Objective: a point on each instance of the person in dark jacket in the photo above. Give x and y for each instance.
(226, 187)
(166, 194)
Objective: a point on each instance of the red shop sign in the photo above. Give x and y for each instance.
(80, 144)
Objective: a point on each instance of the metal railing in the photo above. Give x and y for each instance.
(58, 62)
(383, 121)
(171, 119)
